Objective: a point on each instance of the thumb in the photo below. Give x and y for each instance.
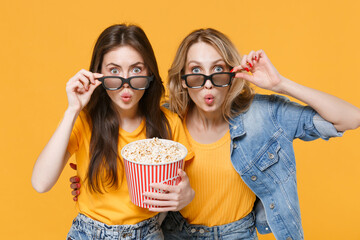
(98, 75)
(183, 175)
(94, 86)
(245, 76)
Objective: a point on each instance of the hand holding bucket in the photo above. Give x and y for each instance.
(139, 175)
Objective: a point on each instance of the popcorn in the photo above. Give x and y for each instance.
(153, 151)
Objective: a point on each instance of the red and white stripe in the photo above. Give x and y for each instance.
(139, 176)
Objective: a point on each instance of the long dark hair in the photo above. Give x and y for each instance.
(104, 119)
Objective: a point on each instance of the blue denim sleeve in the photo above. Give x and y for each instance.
(325, 128)
(300, 121)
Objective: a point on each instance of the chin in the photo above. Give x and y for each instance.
(125, 106)
(212, 108)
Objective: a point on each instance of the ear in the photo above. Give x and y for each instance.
(183, 84)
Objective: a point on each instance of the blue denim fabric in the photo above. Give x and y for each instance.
(176, 227)
(84, 228)
(262, 153)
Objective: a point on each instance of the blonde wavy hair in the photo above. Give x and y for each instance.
(240, 93)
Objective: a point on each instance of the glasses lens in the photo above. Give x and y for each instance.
(139, 82)
(195, 80)
(112, 83)
(221, 79)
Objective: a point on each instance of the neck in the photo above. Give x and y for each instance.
(206, 120)
(130, 119)
(206, 127)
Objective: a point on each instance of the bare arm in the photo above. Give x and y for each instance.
(54, 156)
(342, 114)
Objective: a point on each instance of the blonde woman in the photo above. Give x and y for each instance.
(243, 141)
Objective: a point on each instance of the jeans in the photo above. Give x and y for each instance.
(176, 227)
(84, 228)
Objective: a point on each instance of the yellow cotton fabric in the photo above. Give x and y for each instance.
(221, 196)
(114, 207)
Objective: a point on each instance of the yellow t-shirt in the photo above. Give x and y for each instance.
(114, 207)
(221, 196)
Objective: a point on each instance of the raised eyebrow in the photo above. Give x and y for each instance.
(193, 61)
(137, 63)
(220, 60)
(116, 65)
(113, 64)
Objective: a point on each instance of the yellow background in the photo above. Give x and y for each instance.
(44, 43)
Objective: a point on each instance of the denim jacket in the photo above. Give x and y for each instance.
(262, 153)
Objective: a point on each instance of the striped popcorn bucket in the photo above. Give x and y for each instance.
(140, 175)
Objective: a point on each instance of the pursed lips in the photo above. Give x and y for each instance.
(209, 98)
(125, 96)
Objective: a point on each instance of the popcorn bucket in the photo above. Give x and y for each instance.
(139, 175)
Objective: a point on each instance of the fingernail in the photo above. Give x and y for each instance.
(255, 58)
(250, 64)
(231, 70)
(247, 69)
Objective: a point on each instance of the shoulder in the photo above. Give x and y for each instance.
(262, 102)
(262, 108)
(270, 103)
(269, 99)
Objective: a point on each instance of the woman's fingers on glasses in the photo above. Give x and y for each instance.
(244, 75)
(76, 87)
(88, 75)
(98, 75)
(250, 59)
(244, 62)
(84, 80)
(237, 69)
(257, 56)
(261, 54)
(95, 85)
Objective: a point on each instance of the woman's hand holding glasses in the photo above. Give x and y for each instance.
(263, 72)
(80, 87)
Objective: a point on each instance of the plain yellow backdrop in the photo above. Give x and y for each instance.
(44, 43)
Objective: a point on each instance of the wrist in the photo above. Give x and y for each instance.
(72, 112)
(282, 86)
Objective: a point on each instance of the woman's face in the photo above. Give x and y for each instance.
(205, 59)
(125, 62)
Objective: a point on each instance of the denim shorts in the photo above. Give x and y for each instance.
(84, 228)
(175, 227)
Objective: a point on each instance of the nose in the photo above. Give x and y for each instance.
(208, 84)
(125, 85)
(126, 76)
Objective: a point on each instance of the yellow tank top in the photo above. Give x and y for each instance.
(221, 196)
